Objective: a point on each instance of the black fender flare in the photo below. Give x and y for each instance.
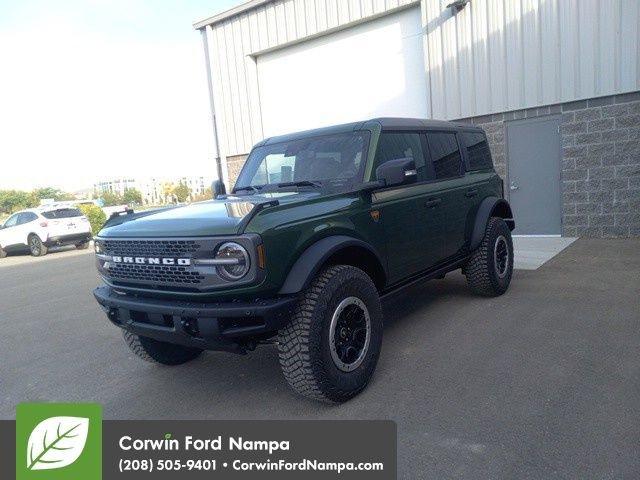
(311, 260)
(486, 210)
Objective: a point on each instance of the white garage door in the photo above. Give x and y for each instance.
(370, 70)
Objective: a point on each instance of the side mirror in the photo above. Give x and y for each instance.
(397, 172)
(218, 188)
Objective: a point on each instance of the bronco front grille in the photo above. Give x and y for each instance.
(154, 275)
(168, 264)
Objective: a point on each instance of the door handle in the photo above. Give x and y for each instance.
(514, 186)
(433, 202)
(472, 192)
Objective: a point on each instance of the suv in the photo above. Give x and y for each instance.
(35, 230)
(319, 227)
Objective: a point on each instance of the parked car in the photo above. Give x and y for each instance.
(320, 226)
(35, 230)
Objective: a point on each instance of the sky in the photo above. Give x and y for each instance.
(101, 88)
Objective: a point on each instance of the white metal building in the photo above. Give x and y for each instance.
(554, 82)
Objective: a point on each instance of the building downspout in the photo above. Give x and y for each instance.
(214, 123)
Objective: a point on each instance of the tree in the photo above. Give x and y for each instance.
(96, 216)
(207, 195)
(182, 192)
(110, 199)
(12, 200)
(167, 191)
(55, 193)
(132, 196)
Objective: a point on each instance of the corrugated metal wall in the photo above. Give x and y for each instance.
(500, 55)
(493, 56)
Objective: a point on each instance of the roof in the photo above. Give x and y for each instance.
(232, 12)
(397, 123)
(386, 123)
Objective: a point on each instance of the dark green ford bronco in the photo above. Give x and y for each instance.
(319, 227)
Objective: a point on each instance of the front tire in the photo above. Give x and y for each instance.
(154, 351)
(490, 267)
(330, 348)
(36, 247)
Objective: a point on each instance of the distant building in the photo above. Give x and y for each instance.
(154, 190)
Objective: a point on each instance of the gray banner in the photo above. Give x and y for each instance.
(7, 449)
(250, 450)
(242, 450)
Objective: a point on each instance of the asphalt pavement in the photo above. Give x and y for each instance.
(543, 382)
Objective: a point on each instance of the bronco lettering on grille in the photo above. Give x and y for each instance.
(151, 260)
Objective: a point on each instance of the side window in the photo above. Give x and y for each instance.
(477, 150)
(12, 221)
(445, 155)
(393, 146)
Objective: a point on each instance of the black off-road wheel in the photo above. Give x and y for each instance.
(155, 351)
(330, 348)
(36, 247)
(82, 246)
(490, 267)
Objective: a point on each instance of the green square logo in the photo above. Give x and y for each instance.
(58, 441)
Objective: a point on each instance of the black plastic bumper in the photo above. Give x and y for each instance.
(68, 239)
(210, 326)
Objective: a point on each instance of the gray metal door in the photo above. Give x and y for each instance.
(533, 149)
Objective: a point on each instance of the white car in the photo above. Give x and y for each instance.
(35, 230)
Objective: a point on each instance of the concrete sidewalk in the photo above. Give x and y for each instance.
(532, 252)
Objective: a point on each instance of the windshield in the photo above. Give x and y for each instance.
(330, 160)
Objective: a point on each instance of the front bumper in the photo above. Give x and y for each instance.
(228, 326)
(74, 239)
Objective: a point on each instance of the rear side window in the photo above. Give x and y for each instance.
(62, 213)
(27, 217)
(393, 146)
(477, 150)
(445, 154)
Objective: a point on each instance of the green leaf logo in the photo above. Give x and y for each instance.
(56, 442)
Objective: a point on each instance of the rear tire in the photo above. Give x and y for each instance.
(490, 267)
(330, 348)
(155, 351)
(36, 247)
(82, 246)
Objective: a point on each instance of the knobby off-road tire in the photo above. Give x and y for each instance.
(345, 297)
(36, 247)
(490, 267)
(82, 246)
(155, 351)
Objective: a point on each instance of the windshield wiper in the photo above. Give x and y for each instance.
(299, 183)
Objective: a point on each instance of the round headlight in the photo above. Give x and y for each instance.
(234, 261)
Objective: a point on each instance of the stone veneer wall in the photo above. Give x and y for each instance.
(600, 162)
(234, 165)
